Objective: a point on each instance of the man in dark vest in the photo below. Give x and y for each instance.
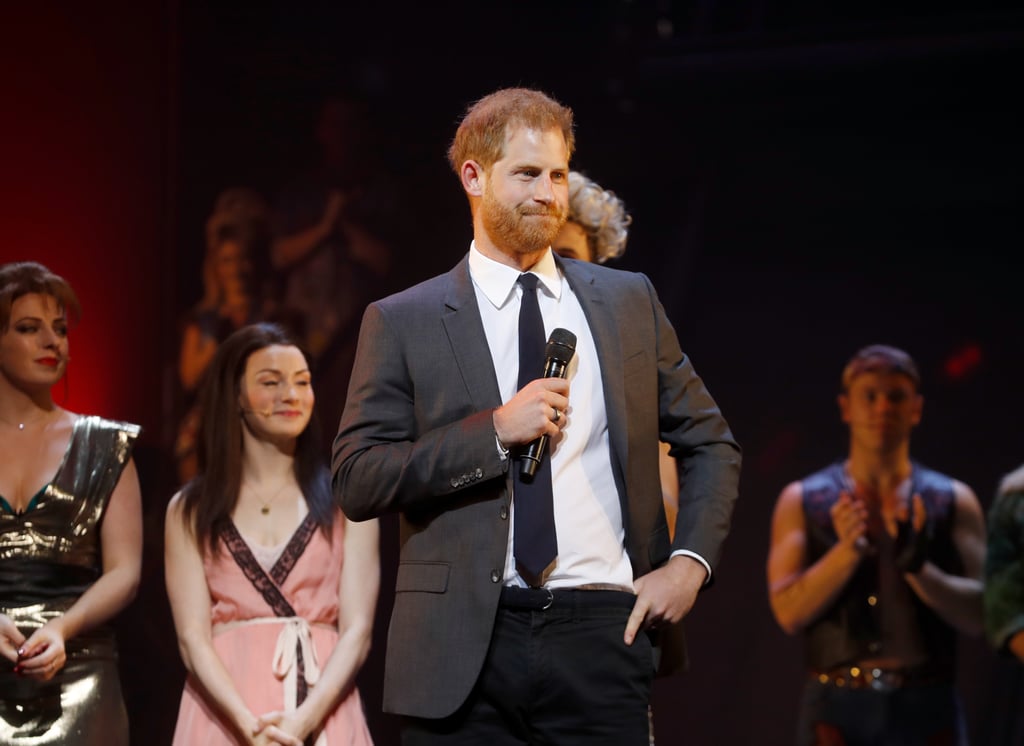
(877, 560)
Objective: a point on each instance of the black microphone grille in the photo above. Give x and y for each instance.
(561, 345)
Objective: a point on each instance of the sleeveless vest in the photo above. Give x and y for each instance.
(849, 630)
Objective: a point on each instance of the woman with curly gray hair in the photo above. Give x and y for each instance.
(598, 223)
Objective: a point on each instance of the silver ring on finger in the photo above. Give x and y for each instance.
(555, 414)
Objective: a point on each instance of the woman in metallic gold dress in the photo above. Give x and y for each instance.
(70, 531)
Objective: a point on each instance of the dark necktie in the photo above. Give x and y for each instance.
(535, 542)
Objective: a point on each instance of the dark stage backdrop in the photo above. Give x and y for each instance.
(803, 181)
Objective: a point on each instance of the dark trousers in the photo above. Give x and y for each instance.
(928, 715)
(554, 677)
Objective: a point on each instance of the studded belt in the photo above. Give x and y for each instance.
(881, 679)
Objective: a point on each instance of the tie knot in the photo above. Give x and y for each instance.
(528, 281)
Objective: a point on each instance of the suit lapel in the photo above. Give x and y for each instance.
(604, 328)
(461, 319)
(465, 330)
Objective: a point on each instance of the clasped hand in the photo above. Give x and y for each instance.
(911, 536)
(909, 532)
(850, 522)
(40, 656)
(10, 639)
(282, 728)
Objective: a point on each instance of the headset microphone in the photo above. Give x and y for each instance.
(260, 412)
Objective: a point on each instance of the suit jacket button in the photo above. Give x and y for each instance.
(479, 473)
(495, 576)
(455, 482)
(503, 513)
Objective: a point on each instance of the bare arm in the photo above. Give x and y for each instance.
(669, 475)
(799, 594)
(357, 603)
(958, 599)
(1016, 645)
(121, 546)
(190, 607)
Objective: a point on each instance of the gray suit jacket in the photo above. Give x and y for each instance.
(417, 437)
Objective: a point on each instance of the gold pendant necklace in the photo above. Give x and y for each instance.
(265, 510)
(265, 504)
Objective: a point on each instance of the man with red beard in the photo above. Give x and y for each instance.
(877, 560)
(531, 607)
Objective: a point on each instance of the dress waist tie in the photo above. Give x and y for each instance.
(295, 637)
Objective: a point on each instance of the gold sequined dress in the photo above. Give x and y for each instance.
(49, 556)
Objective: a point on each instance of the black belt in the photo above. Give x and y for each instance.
(542, 599)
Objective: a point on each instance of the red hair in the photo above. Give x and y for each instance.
(483, 130)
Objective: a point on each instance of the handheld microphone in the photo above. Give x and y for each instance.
(559, 352)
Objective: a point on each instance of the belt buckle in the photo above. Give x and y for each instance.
(551, 599)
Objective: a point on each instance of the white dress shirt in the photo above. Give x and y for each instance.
(588, 513)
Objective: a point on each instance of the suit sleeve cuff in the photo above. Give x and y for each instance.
(694, 555)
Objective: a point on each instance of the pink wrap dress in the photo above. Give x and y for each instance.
(273, 628)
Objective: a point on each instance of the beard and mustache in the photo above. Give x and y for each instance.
(519, 229)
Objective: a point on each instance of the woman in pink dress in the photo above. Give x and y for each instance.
(273, 590)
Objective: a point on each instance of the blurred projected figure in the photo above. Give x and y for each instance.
(70, 531)
(877, 561)
(234, 274)
(327, 247)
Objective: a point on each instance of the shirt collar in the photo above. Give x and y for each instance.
(498, 281)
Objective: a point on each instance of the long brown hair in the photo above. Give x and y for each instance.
(211, 497)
